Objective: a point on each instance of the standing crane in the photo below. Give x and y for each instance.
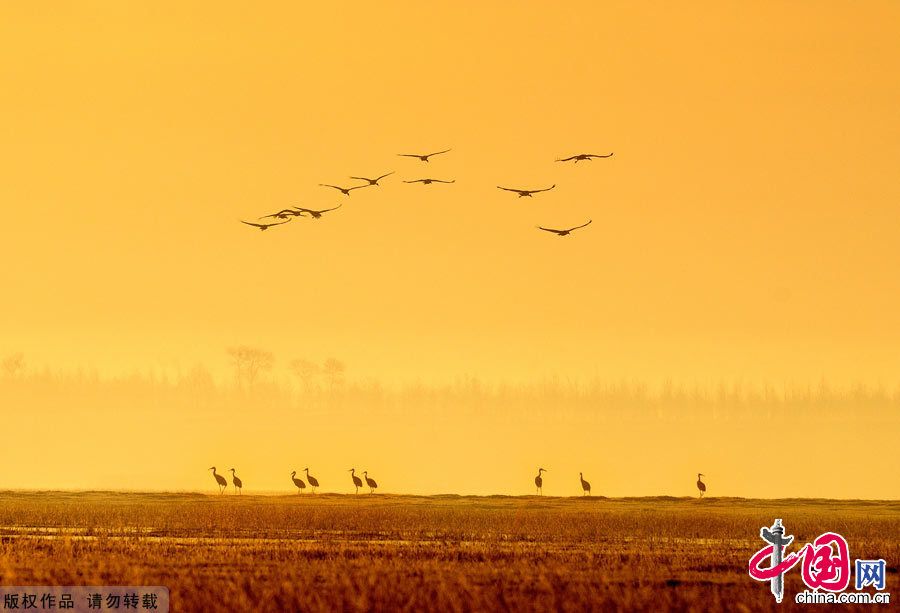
(298, 482)
(219, 479)
(313, 482)
(370, 482)
(356, 480)
(700, 485)
(585, 485)
(238, 484)
(539, 481)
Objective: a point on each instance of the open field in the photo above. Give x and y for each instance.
(331, 552)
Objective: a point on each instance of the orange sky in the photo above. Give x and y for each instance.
(746, 227)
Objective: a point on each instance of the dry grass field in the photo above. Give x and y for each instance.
(331, 552)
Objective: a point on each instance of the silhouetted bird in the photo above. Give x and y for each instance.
(539, 481)
(219, 479)
(585, 485)
(298, 482)
(565, 232)
(425, 157)
(356, 480)
(263, 226)
(370, 482)
(523, 193)
(313, 482)
(700, 485)
(430, 181)
(344, 190)
(584, 156)
(238, 484)
(282, 214)
(373, 181)
(315, 214)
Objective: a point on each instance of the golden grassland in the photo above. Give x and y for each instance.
(332, 552)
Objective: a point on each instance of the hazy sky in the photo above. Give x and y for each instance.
(746, 227)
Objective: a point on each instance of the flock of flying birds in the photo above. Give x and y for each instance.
(285, 215)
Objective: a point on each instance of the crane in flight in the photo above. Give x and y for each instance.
(356, 480)
(700, 485)
(344, 190)
(298, 482)
(373, 181)
(238, 484)
(220, 480)
(584, 157)
(585, 486)
(423, 158)
(430, 181)
(312, 213)
(526, 193)
(539, 481)
(313, 482)
(370, 482)
(263, 226)
(282, 214)
(566, 231)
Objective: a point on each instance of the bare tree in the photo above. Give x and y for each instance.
(248, 363)
(334, 370)
(306, 371)
(13, 365)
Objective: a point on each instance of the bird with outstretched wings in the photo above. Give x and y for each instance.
(526, 192)
(584, 156)
(566, 231)
(421, 157)
(263, 226)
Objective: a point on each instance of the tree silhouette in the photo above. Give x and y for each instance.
(334, 370)
(13, 365)
(306, 371)
(248, 363)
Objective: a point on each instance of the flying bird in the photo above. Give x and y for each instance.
(313, 482)
(539, 481)
(523, 193)
(565, 232)
(263, 226)
(314, 214)
(298, 482)
(430, 181)
(344, 190)
(238, 484)
(585, 486)
(425, 157)
(282, 214)
(373, 181)
(370, 482)
(356, 480)
(219, 479)
(700, 485)
(584, 157)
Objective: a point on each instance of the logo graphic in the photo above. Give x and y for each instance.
(825, 566)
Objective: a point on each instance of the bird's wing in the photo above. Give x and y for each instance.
(415, 181)
(437, 153)
(280, 223)
(441, 181)
(550, 230)
(272, 215)
(594, 155)
(567, 159)
(350, 189)
(582, 225)
(363, 178)
(331, 209)
(250, 223)
(535, 191)
(409, 155)
(510, 189)
(385, 175)
(333, 186)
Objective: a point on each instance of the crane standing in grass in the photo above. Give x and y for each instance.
(313, 482)
(700, 485)
(238, 484)
(356, 480)
(219, 479)
(585, 485)
(539, 482)
(298, 482)
(370, 482)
